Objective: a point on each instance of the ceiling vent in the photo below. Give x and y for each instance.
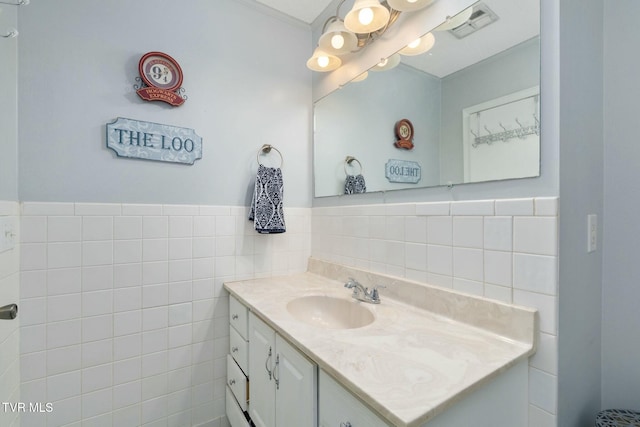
(480, 18)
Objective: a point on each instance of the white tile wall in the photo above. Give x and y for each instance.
(123, 314)
(502, 249)
(9, 329)
(123, 318)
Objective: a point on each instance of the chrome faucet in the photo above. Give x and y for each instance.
(362, 293)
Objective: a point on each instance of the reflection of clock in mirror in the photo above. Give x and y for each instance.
(159, 70)
(404, 133)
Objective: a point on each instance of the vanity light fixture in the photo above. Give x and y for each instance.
(367, 16)
(337, 40)
(323, 61)
(419, 46)
(365, 22)
(387, 63)
(360, 78)
(409, 5)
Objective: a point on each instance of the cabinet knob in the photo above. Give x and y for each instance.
(234, 349)
(232, 382)
(234, 316)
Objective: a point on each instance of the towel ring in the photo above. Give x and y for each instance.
(350, 159)
(266, 149)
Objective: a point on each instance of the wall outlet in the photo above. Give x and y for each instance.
(592, 232)
(7, 234)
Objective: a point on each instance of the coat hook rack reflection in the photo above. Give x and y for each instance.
(19, 3)
(11, 34)
(520, 132)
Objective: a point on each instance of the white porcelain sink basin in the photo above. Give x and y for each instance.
(329, 312)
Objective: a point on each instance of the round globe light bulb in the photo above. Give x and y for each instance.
(365, 16)
(414, 44)
(323, 61)
(337, 41)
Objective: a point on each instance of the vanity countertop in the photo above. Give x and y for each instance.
(411, 363)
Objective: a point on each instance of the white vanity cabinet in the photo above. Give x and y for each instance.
(237, 394)
(454, 360)
(337, 407)
(283, 388)
(239, 334)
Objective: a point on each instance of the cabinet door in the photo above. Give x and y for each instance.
(262, 388)
(339, 408)
(296, 387)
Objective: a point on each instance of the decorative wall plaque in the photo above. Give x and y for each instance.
(161, 77)
(153, 141)
(403, 171)
(404, 133)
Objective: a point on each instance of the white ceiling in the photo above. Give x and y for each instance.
(304, 10)
(518, 21)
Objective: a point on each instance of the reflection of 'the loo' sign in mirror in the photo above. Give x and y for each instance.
(403, 171)
(404, 133)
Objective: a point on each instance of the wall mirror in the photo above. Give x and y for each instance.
(471, 103)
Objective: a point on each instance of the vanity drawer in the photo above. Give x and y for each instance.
(239, 350)
(238, 317)
(237, 382)
(338, 407)
(234, 413)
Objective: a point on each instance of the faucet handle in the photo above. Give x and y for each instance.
(351, 282)
(374, 292)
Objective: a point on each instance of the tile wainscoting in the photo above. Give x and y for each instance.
(124, 319)
(500, 249)
(9, 329)
(123, 316)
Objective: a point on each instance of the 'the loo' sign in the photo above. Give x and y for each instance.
(153, 141)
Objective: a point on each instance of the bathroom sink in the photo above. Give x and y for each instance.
(329, 312)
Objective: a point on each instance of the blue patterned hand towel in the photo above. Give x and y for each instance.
(266, 205)
(354, 184)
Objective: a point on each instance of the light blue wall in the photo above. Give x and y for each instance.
(621, 277)
(245, 78)
(8, 106)
(581, 193)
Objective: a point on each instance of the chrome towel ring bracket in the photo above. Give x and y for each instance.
(348, 162)
(266, 149)
(9, 312)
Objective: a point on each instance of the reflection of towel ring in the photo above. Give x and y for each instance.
(266, 149)
(348, 161)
